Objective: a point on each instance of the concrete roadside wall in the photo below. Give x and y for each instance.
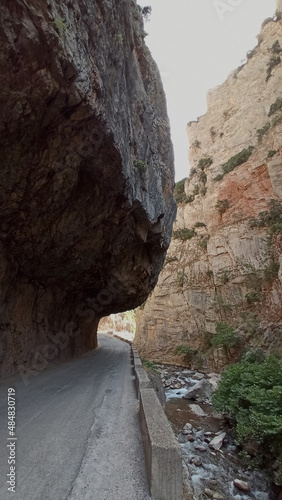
(162, 451)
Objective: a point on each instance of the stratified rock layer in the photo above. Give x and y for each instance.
(226, 272)
(86, 174)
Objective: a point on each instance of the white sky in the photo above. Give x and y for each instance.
(196, 43)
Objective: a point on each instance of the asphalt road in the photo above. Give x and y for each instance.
(77, 429)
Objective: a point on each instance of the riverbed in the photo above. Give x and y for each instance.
(218, 474)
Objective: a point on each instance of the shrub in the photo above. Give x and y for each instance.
(204, 162)
(184, 234)
(276, 120)
(140, 165)
(274, 61)
(250, 323)
(250, 396)
(253, 297)
(203, 177)
(146, 12)
(196, 144)
(179, 192)
(262, 131)
(271, 153)
(200, 224)
(149, 366)
(212, 132)
(276, 47)
(193, 171)
(203, 190)
(189, 198)
(271, 271)
(225, 337)
(275, 106)
(224, 276)
(203, 243)
(168, 260)
(186, 351)
(237, 160)
(218, 177)
(60, 24)
(119, 38)
(180, 278)
(196, 190)
(271, 218)
(220, 306)
(222, 206)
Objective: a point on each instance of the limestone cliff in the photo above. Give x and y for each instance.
(86, 174)
(224, 263)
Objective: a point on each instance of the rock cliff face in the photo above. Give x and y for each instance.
(86, 174)
(224, 263)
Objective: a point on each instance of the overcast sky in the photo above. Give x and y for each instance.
(196, 43)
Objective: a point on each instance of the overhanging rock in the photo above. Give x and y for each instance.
(86, 174)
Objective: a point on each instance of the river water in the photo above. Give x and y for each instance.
(212, 472)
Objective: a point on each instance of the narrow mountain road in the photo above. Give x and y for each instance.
(77, 429)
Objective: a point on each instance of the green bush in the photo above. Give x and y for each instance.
(276, 106)
(276, 47)
(179, 191)
(189, 198)
(218, 177)
(222, 206)
(250, 396)
(185, 350)
(253, 297)
(60, 25)
(274, 61)
(203, 177)
(262, 131)
(271, 218)
(237, 160)
(224, 276)
(276, 120)
(140, 165)
(271, 153)
(271, 271)
(225, 337)
(204, 162)
(203, 242)
(184, 234)
(149, 366)
(180, 278)
(168, 260)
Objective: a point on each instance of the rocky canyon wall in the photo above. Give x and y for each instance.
(224, 262)
(86, 174)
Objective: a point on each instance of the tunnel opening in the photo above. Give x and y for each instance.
(121, 325)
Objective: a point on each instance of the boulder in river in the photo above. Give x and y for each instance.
(201, 391)
(217, 442)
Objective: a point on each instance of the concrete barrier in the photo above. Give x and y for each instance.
(162, 451)
(142, 380)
